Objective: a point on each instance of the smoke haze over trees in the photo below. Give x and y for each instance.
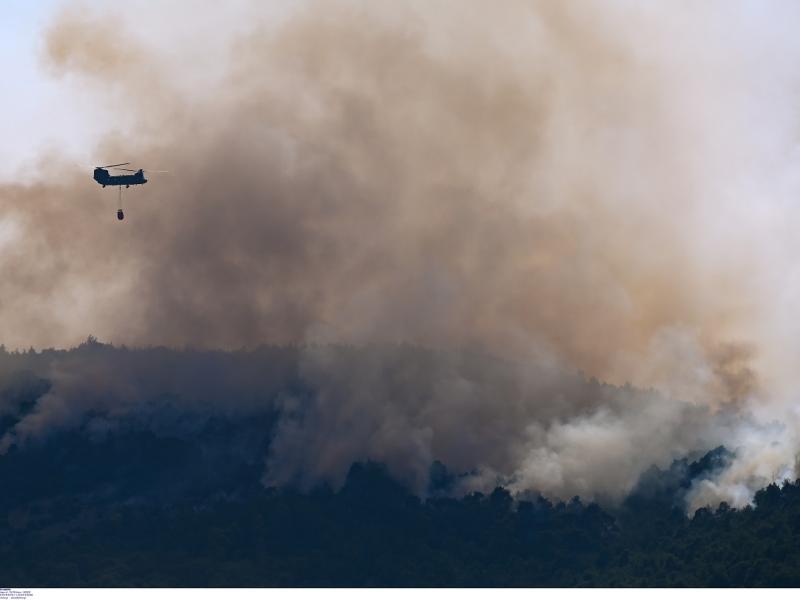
(301, 416)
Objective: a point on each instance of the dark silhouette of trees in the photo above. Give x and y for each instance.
(373, 532)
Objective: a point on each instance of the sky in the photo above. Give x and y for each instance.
(33, 112)
(47, 113)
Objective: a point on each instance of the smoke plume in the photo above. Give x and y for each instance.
(597, 188)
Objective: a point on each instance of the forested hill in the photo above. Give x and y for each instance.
(373, 532)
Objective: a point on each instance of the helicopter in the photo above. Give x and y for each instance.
(104, 178)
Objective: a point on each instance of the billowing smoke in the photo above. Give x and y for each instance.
(492, 421)
(562, 187)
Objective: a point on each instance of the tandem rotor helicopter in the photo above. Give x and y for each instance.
(104, 178)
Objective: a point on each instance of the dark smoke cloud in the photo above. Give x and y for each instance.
(531, 182)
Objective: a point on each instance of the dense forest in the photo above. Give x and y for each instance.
(163, 502)
(372, 532)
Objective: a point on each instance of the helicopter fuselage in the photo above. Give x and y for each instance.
(102, 177)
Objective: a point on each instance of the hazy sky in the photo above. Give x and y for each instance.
(46, 114)
(34, 111)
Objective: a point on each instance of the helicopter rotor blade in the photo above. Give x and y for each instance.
(118, 169)
(116, 165)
